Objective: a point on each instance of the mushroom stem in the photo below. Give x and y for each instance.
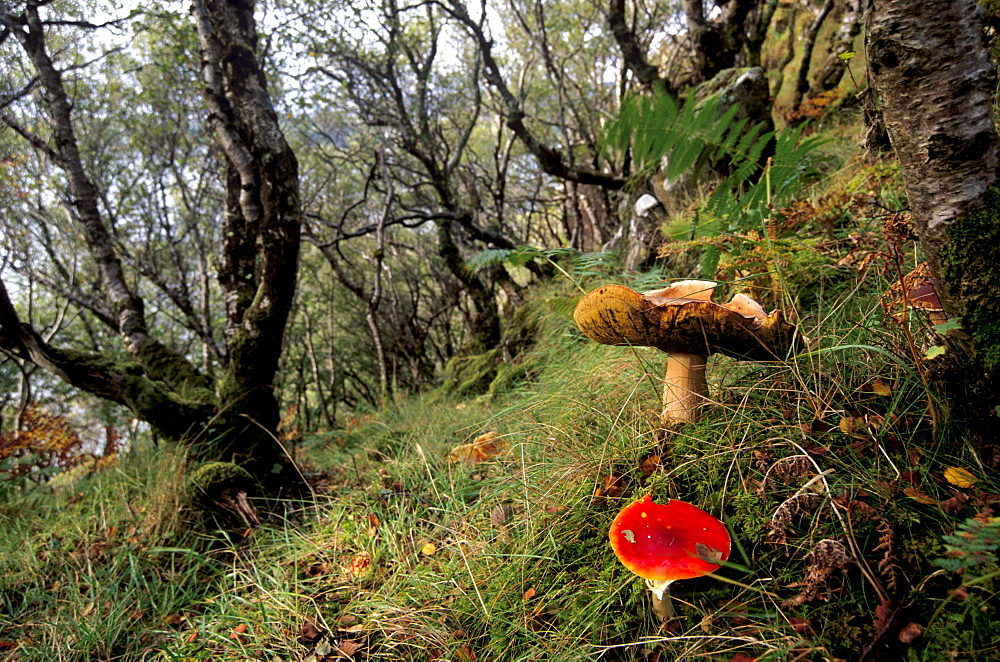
(685, 388)
(663, 607)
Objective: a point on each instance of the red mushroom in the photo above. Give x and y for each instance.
(665, 542)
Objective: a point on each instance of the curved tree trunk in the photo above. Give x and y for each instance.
(931, 70)
(234, 416)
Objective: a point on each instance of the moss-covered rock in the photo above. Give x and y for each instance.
(211, 479)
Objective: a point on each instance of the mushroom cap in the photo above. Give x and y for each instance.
(924, 296)
(684, 321)
(663, 542)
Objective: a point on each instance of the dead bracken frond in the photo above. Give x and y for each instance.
(827, 559)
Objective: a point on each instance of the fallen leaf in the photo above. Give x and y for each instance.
(956, 503)
(485, 447)
(501, 514)
(323, 649)
(959, 477)
(883, 613)
(310, 633)
(919, 496)
(910, 633)
(853, 427)
(881, 387)
(317, 569)
(801, 625)
(650, 465)
(349, 647)
(239, 633)
(530, 593)
(465, 653)
(428, 549)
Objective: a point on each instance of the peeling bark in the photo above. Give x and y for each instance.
(263, 222)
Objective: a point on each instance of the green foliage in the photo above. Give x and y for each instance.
(679, 139)
(581, 265)
(657, 129)
(973, 544)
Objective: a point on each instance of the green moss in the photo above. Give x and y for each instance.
(970, 253)
(171, 413)
(212, 477)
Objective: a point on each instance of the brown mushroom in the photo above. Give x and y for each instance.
(682, 321)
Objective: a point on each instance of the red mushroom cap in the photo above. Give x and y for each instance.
(668, 541)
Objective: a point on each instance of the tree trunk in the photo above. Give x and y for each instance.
(808, 45)
(235, 416)
(717, 43)
(833, 70)
(931, 70)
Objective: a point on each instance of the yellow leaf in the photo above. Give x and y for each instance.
(428, 549)
(959, 477)
(881, 387)
(484, 448)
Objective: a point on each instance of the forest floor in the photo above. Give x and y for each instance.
(475, 527)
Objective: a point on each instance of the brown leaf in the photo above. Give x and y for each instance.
(176, 621)
(801, 625)
(919, 496)
(742, 657)
(881, 386)
(238, 633)
(650, 465)
(910, 633)
(317, 569)
(611, 487)
(349, 647)
(530, 593)
(310, 633)
(464, 652)
(956, 503)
